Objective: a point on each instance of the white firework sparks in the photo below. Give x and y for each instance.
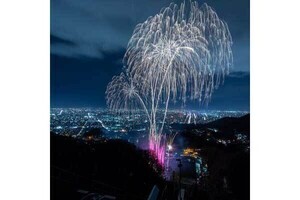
(182, 53)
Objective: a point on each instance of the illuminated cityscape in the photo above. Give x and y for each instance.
(77, 121)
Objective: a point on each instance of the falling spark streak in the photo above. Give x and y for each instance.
(183, 53)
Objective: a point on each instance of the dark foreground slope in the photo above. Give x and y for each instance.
(111, 167)
(118, 168)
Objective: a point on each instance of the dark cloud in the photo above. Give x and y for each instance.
(57, 40)
(98, 26)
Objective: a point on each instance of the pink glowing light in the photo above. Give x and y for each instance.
(157, 147)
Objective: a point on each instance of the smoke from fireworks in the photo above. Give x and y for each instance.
(182, 53)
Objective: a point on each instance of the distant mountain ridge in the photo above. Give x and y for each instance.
(230, 123)
(226, 124)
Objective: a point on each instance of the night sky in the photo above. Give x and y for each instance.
(88, 41)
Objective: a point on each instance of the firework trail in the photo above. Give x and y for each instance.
(183, 53)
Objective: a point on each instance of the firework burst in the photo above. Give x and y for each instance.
(182, 53)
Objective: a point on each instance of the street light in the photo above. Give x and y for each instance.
(169, 148)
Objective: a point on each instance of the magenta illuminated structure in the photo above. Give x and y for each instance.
(157, 148)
